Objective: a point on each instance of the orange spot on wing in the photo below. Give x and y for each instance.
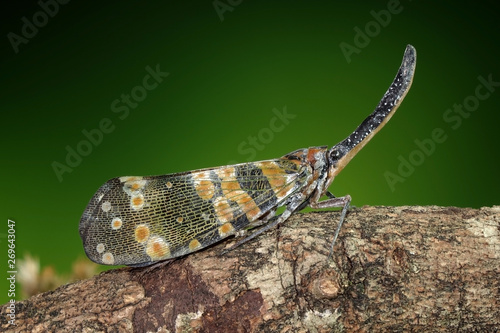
(284, 191)
(243, 199)
(116, 223)
(157, 248)
(277, 182)
(270, 169)
(235, 195)
(223, 210)
(253, 211)
(194, 244)
(225, 173)
(201, 175)
(275, 175)
(141, 233)
(225, 229)
(232, 191)
(205, 189)
(137, 201)
(228, 186)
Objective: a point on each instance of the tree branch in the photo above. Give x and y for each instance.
(393, 269)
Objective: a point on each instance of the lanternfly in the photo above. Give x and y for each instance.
(138, 221)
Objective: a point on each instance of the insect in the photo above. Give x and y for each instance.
(138, 221)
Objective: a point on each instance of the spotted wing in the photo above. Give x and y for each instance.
(139, 220)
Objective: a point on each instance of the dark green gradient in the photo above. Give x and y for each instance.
(225, 78)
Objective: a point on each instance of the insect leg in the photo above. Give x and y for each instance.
(262, 220)
(291, 207)
(330, 195)
(330, 203)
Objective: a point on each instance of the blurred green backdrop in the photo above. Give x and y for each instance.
(66, 70)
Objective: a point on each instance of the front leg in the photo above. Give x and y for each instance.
(332, 202)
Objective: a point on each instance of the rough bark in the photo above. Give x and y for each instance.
(393, 269)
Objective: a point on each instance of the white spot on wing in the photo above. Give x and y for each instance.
(100, 248)
(106, 206)
(108, 258)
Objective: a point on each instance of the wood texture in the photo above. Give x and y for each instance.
(393, 269)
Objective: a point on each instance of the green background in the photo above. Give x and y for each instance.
(226, 74)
